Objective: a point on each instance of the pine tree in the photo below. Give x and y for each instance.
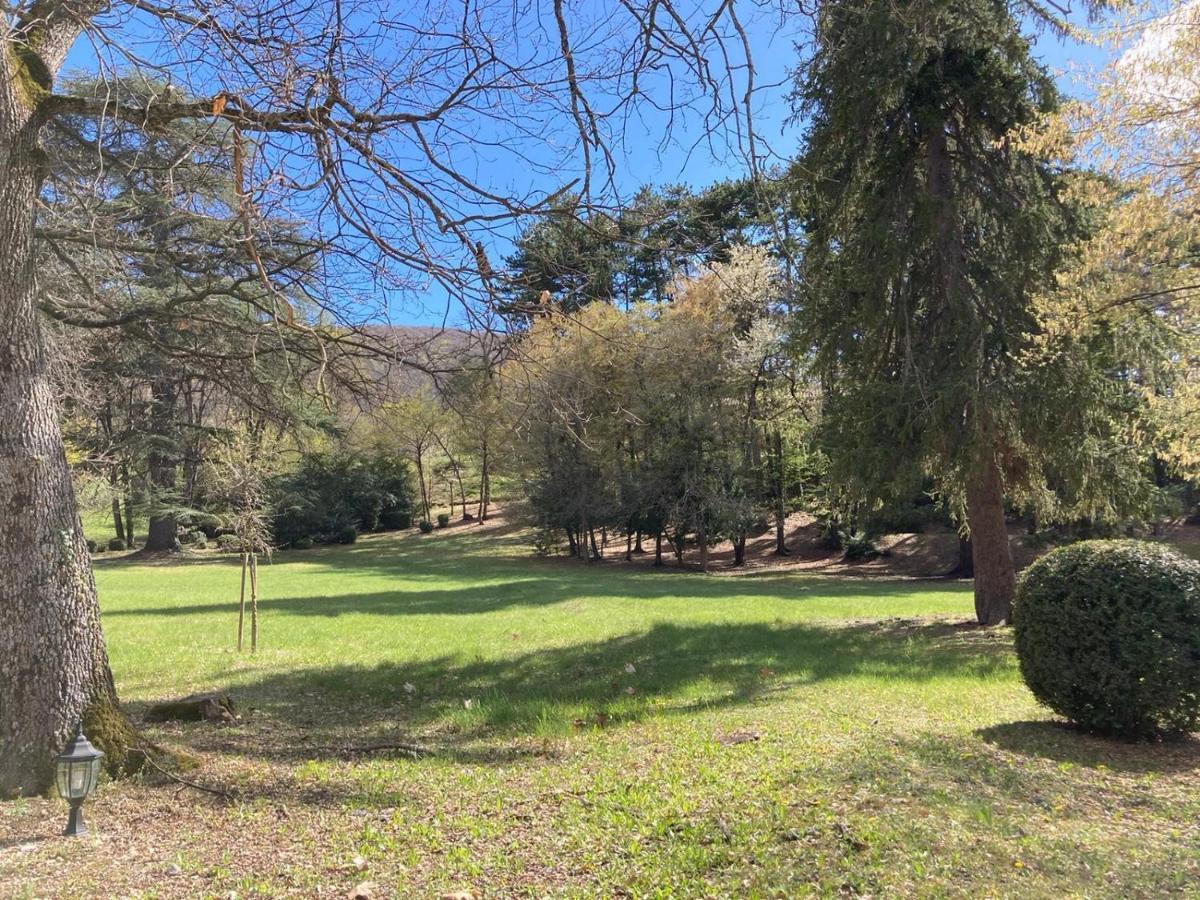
(930, 230)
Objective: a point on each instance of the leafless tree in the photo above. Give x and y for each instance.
(404, 136)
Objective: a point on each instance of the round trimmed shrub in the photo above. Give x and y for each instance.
(91, 545)
(1108, 635)
(116, 544)
(304, 542)
(443, 520)
(346, 535)
(394, 519)
(426, 526)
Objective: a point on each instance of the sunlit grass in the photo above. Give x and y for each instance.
(609, 730)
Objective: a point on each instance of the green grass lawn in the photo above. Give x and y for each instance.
(599, 730)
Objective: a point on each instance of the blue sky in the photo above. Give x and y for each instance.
(643, 159)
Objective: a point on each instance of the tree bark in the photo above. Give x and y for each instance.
(739, 549)
(424, 487)
(162, 529)
(658, 560)
(484, 486)
(129, 542)
(54, 669)
(965, 567)
(162, 532)
(781, 548)
(995, 576)
(118, 522)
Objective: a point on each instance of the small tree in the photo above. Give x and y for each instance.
(239, 474)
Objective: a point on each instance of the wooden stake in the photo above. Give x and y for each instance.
(242, 603)
(253, 602)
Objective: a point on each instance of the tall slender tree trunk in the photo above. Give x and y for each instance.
(424, 486)
(162, 529)
(129, 541)
(995, 576)
(118, 522)
(781, 548)
(965, 567)
(484, 486)
(53, 665)
(658, 560)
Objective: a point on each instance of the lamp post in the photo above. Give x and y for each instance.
(77, 768)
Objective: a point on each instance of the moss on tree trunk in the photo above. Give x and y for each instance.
(110, 729)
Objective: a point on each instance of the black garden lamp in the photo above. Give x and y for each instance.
(77, 769)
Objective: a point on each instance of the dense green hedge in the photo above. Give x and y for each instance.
(1108, 635)
(328, 495)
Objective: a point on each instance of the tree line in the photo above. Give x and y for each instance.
(957, 297)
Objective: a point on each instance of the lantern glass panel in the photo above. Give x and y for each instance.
(76, 779)
(63, 778)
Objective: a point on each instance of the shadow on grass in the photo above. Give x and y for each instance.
(1065, 743)
(426, 569)
(507, 586)
(676, 670)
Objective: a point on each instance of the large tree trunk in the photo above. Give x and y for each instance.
(53, 665)
(995, 576)
(162, 530)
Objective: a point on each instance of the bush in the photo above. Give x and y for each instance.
(443, 520)
(304, 542)
(229, 543)
(116, 544)
(1108, 635)
(200, 542)
(329, 492)
(426, 526)
(859, 547)
(394, 519)
(909, 517)
(346, 535)
(91, 545)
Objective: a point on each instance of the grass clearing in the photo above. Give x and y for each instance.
(599, 730)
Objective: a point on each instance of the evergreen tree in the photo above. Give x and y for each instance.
(930, 230)
(144, 233)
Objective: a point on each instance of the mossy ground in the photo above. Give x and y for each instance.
(598, 730)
